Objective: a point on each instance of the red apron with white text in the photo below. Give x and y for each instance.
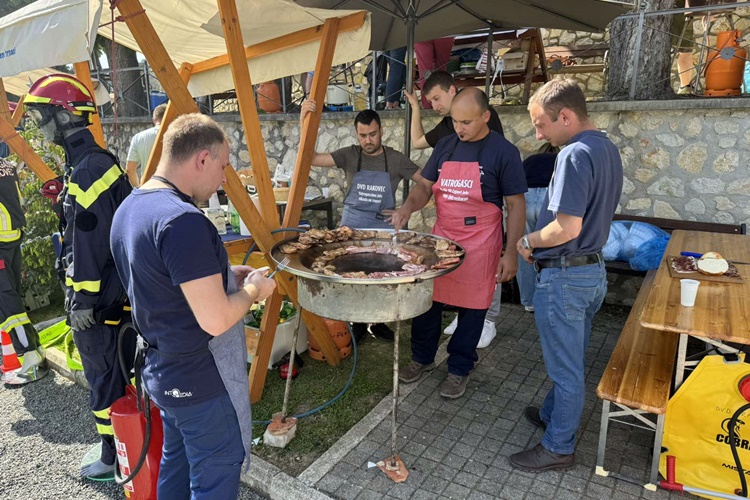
(464, 217)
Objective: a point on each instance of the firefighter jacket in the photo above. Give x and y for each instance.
(95, 185)
(12, 219)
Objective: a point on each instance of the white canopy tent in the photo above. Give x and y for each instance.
(45, 33)
(55, 32)
(191, 32)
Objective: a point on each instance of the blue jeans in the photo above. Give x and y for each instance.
(202, 453)
(565, 301)
(462, 347)
(526, 274)
(396, 74)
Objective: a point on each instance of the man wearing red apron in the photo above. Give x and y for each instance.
(373, 172)
(470, 174)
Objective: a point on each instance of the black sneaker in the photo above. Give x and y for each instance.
(359, 330)
(381, 331)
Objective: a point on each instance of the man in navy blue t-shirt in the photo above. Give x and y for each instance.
(573, 227)
(471, 174)
(188, 304)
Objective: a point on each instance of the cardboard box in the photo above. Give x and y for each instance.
(515, 61)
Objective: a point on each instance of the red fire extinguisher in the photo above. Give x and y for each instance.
(138, 438)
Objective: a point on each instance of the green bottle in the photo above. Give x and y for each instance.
(234, 218)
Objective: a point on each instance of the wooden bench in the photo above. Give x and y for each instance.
(670, 225)
(638, 379)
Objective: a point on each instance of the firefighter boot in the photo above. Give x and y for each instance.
(33, 368)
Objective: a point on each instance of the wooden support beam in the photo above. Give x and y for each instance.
(182, 102)
(83, 73)
(18, 113)
(169, 115)
(4, 110)
(248, 112)
(18, 145)
(287, 284)
(309, 132)
(348, 23)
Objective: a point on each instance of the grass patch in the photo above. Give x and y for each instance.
(317, 383)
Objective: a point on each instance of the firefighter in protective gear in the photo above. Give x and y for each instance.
(94, 186)
(13, 318)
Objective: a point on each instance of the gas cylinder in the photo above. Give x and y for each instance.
(725, 65)
(269, 97)
(129, 426)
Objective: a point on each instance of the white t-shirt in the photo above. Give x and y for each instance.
(141, 146)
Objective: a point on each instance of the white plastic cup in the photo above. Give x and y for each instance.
(688, 292)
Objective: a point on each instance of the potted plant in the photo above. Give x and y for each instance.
(282, 342)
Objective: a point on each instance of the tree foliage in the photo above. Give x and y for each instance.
(38, 265)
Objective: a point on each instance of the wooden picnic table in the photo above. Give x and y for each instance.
(722, 310)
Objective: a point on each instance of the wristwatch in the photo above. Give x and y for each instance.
(525, 242)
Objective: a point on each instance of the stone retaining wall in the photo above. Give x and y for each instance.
(689, 164)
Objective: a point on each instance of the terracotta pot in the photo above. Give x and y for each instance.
(339, 332)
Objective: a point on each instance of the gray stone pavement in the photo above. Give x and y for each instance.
(459, 449)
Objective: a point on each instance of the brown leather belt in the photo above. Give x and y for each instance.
(578, 260)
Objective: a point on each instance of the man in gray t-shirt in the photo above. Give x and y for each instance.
(573, 227)
(373, 172)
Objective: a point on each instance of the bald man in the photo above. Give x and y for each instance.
(472, 175)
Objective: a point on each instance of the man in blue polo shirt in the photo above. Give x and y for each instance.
(188, 305)
(573, 227)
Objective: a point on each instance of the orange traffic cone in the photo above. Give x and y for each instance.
(10, 360)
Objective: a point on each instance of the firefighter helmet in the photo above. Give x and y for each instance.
(58, 89)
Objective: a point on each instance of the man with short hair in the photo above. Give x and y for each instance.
(440, 89)
(373, 172)
(189, 305)
(573, 227)
(472, 174)
(141, 146)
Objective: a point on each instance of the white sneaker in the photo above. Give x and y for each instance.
(528, 309)
(450, 329)
(489, 330)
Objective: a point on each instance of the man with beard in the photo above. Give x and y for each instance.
(373, 172)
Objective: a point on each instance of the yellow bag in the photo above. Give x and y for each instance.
(696, 428)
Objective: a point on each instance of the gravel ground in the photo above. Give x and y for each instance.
(45, 429)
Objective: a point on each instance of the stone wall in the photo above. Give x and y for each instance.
(679, 163)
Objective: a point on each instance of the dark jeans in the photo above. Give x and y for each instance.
(462, 347)
(396, 74)
(203, 453)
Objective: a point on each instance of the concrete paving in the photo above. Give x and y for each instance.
(459, 449)
(454, 449)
